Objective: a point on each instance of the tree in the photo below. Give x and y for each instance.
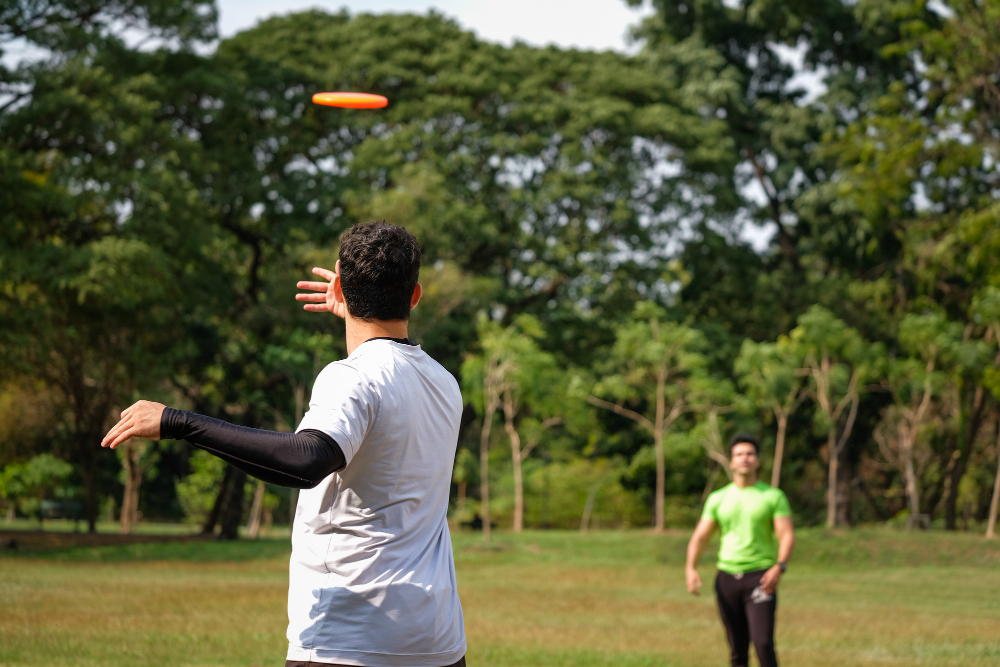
(483, 378)
(914, 176)
(771, 376)
(659, 367)
(532, 402)
(517, 166)
(524, 384)
(43, 477)
(137, 458)
(986, 308)
(465, 470)
(836, 362)
(734, 63)
(915, 382)
(88, 168)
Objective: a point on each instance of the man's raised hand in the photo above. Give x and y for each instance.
(326, 301)
(141, 420)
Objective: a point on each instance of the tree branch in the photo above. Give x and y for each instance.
(623, 411)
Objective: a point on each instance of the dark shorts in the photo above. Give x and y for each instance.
(306, 663)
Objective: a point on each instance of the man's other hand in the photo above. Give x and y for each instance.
(769, 582)
(693, 582)
(141, 420)
(326, 301)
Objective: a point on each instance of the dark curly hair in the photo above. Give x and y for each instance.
(379, 267)
(743, 439)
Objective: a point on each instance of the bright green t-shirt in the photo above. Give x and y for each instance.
(746, 519)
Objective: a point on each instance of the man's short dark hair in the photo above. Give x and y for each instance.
(379, 267)
(743, 439)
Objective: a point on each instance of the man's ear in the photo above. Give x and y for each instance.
(418, 292)
(338, 292)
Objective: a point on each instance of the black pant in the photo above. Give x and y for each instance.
(748, 614)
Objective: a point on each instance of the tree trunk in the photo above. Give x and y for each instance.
(232, 509)
(212, 520)
(709, 485)
(831, 482)
(661, 481)
(658, 431)
(961, 464)
(460, 502)
(995, 500)
(933, 493)
(256, 511)
(125, 518)
(90, 488)
(845, 488)
(133, 479)
(879, 513)
(518, 493)
(484, 472)
(227, 511)
(910, 476)
(779, 450)
(516, 457)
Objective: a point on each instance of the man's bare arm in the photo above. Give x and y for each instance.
(785, 533)
(786, 537)
(702, 533)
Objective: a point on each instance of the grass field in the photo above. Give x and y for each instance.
(864, 597)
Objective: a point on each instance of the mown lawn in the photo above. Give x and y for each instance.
(864, 597)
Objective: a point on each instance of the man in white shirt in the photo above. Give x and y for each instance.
(372, 575)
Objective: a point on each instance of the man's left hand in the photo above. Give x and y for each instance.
(326, 300)
(141, 420)
(769, 582)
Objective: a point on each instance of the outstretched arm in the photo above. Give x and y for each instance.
(297, 460)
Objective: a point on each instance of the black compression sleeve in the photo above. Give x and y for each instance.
(296, 460)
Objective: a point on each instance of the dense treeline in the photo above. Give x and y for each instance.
(585, 220)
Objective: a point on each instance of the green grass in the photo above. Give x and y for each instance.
(865, 597)
(141, 528)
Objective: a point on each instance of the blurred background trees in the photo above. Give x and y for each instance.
(775, 217)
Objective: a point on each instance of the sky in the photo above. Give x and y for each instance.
(583, 24)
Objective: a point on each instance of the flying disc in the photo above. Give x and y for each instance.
(351, 100)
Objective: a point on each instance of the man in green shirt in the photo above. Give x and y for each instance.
(757, 541)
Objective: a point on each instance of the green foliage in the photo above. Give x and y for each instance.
(768, 372)
(557, 496)
(840, 361)
(197, 491)
(583, 216)
(649, 347)
(466, 468)
(43, 477)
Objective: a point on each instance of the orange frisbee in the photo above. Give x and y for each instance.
(351, 100)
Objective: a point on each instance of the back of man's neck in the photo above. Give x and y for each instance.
(358, 331)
